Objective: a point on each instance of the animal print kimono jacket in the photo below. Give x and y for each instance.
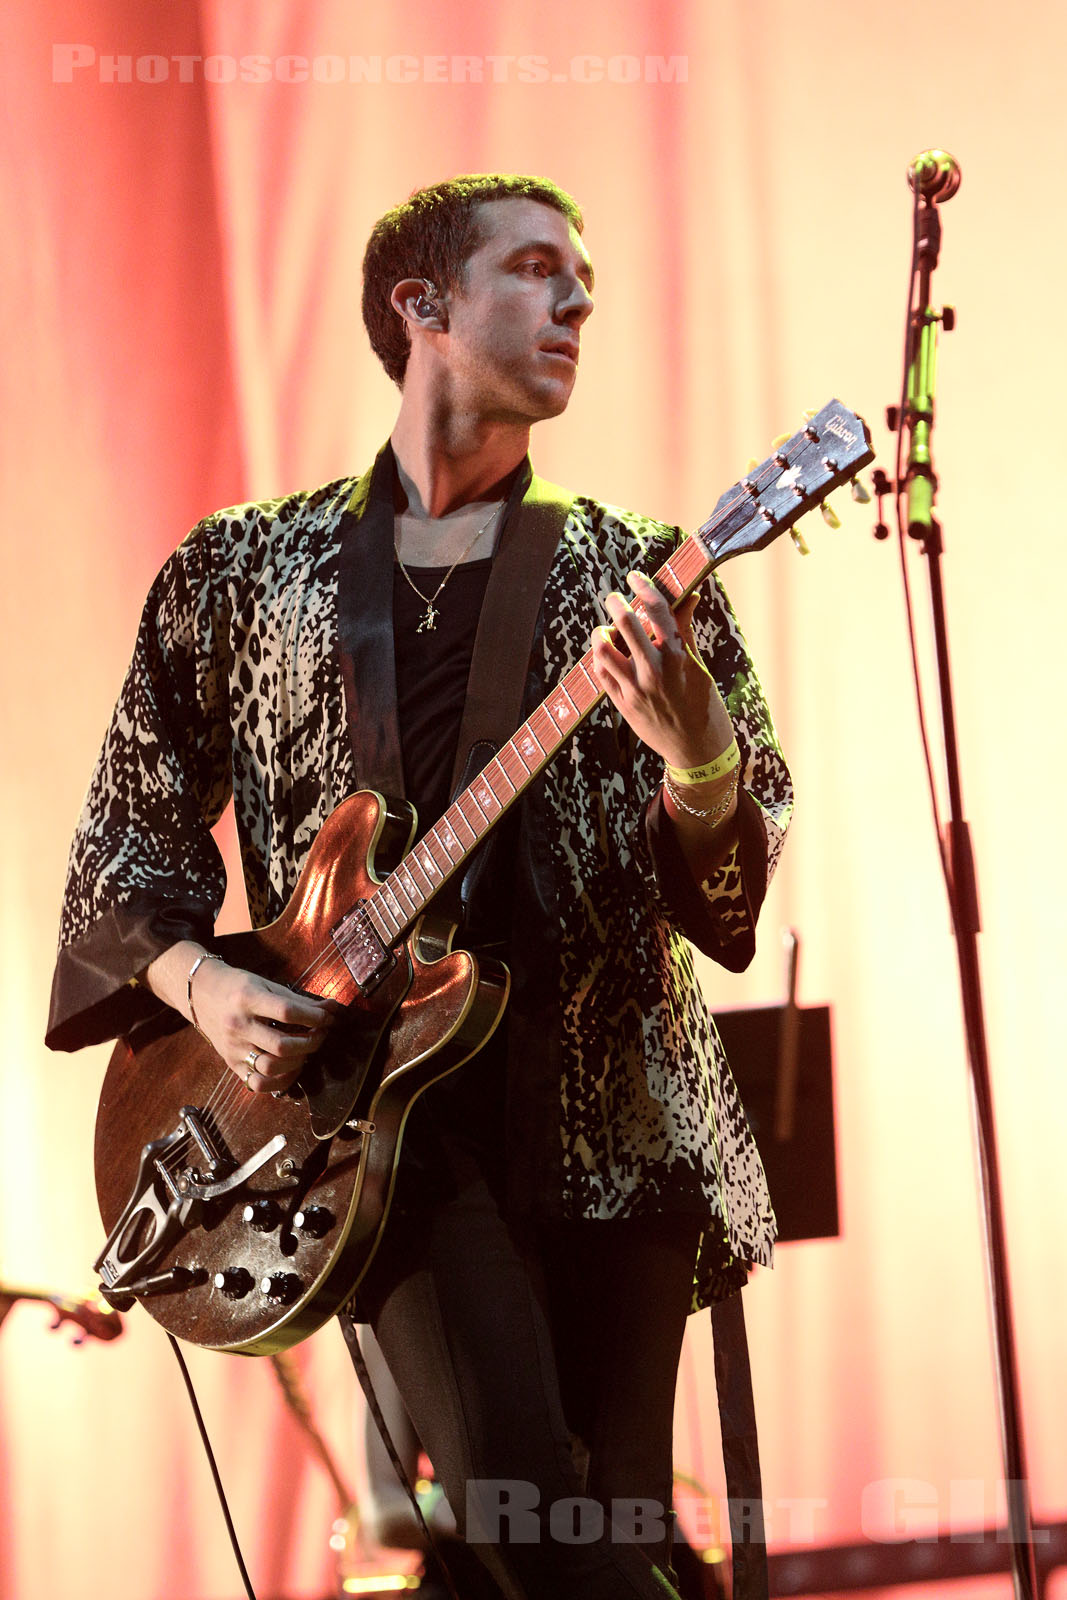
(238, 685)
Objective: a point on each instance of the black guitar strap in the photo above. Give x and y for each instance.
(533, 526)
(365, 628)
(740, 1450)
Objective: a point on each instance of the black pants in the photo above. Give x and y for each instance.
(508, 1342)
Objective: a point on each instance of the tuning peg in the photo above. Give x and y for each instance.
(751, 466)
(860, 493)
(779, 440)
(812, 411)
(829, 515)
(798, 539)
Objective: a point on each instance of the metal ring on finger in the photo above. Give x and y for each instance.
(252, 1057)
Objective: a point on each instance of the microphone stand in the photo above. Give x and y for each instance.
(919, 488)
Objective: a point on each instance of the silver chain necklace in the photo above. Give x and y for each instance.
(429, 619)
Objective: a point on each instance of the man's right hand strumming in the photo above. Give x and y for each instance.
(261, 1030)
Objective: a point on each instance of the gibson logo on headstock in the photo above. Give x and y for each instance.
(838, 429)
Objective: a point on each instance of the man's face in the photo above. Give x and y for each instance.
(511, 350)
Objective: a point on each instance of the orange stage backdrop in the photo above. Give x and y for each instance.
(180, 303)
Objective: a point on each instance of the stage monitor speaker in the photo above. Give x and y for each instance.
(781, 1059)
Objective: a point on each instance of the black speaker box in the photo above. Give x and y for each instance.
(781, 1059)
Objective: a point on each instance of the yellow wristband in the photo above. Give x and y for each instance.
(730, 758)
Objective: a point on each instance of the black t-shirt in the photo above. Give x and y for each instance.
(432, 668)
(457, 1125)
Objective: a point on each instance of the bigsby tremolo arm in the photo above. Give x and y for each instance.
(165, 1200)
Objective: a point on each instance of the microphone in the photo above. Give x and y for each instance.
(935, 175)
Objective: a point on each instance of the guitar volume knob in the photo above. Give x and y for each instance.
(234, 1282)
(280, 1287)
(262, 1215)
(314, 1221)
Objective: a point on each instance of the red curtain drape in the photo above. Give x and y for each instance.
(184, 194)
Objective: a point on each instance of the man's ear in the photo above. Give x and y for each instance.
(418, 302)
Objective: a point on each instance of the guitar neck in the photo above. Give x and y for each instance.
(445, 849)
(826, 453)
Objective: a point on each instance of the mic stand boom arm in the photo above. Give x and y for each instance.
(919, 489)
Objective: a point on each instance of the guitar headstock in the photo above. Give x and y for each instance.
(827, 452)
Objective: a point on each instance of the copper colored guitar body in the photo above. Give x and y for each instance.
(262, 1262)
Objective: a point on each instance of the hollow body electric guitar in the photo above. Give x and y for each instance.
(243, 1221)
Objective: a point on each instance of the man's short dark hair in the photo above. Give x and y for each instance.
(432, 235)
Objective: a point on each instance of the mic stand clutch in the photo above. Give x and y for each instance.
(934, 177)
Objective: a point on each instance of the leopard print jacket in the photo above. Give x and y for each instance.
(236, 687)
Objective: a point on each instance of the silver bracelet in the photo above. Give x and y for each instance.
(712, 815)
(206, 955)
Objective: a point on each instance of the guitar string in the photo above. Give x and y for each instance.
(229, 1093)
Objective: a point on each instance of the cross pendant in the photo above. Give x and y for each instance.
(429, 621)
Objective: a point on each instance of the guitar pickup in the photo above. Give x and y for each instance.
(362, 951)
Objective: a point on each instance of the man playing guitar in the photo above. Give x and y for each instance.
(566, 1197)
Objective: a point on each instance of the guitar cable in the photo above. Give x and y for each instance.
(219, 1490)
(350, 1332)
(349, 1329)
